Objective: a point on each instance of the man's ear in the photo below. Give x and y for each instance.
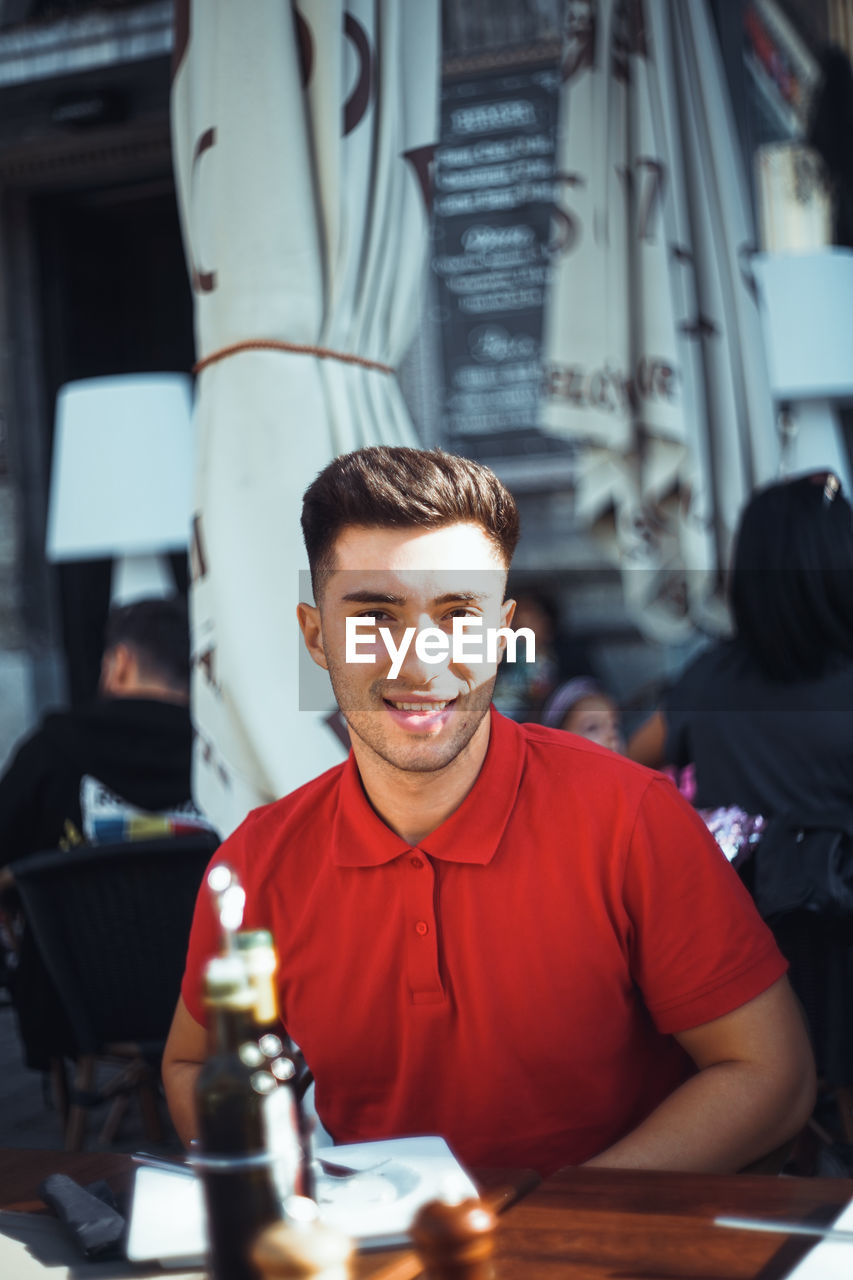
(119, 671)
(312, 632)
(507, 610)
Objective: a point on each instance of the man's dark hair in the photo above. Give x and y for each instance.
(791, 585)
(399, 488)
(158, 632)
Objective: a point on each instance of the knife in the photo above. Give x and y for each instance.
(783, 1227)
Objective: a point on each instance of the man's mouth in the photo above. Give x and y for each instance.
(419, 707)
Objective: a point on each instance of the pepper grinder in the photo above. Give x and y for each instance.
(455, 1241)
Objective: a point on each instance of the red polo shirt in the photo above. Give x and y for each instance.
(509, 983)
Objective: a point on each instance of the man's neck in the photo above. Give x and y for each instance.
(414, 803)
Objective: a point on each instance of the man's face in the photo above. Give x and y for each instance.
(421, 718)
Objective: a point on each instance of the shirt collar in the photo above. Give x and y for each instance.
(471, 834)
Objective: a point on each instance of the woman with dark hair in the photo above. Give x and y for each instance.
(766, 720)
(765, 717)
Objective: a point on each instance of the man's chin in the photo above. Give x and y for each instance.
(412, 760)
(423, 751)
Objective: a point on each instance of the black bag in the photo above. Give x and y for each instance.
(805, 864)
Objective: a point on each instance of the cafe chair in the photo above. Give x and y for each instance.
(800, 874)
(819, 949)
(110, 923)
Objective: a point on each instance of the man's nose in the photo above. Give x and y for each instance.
(418, 671)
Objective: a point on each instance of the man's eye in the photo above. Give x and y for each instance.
(379, 615)
(464, 611)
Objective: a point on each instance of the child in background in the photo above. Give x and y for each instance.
(581, 706)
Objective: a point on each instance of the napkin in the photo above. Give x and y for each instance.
(93, 1223)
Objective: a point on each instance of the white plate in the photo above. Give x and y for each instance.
(375, 1208)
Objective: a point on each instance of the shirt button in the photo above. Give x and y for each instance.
(422, 928)
(416, 862)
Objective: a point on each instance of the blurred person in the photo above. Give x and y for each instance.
(486, 930)
(523, 688)
(115, 769)
(119, 763)
(583, 707)
(765, 717)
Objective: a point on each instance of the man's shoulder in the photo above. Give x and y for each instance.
(107, 716)
(55, 728)
(551, 752)
(565, 775)
(308, 804)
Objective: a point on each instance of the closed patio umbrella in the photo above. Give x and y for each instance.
(655, 362)
(301, 136)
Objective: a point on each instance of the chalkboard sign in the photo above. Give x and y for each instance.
(494, 189)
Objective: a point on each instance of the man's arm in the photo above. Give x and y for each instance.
(754, 1090)
(183, 1056)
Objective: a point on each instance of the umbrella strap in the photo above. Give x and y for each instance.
(303, 349)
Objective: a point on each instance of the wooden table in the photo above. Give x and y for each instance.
(22, 1170)
(588, 1224)
(582, 1224)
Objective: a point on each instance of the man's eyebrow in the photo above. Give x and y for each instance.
(388, 597)
(372, 597)
(465, 597)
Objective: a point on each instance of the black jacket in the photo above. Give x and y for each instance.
(139, 748)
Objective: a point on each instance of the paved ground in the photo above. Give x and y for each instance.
(27, 1117)
(24, 1119)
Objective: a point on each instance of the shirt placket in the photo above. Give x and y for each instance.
(421, 926)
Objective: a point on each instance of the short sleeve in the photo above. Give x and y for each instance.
(699, 949)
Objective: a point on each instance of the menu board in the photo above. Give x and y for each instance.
(494, 187)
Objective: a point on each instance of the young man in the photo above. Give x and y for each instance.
(499, 933)
(128, 750)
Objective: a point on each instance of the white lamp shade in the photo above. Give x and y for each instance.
(807, 309)
(122, 475)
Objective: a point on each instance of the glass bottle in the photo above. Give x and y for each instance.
(257, 951)
(234, 1159)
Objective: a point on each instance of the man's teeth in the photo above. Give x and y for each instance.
(418, 706)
